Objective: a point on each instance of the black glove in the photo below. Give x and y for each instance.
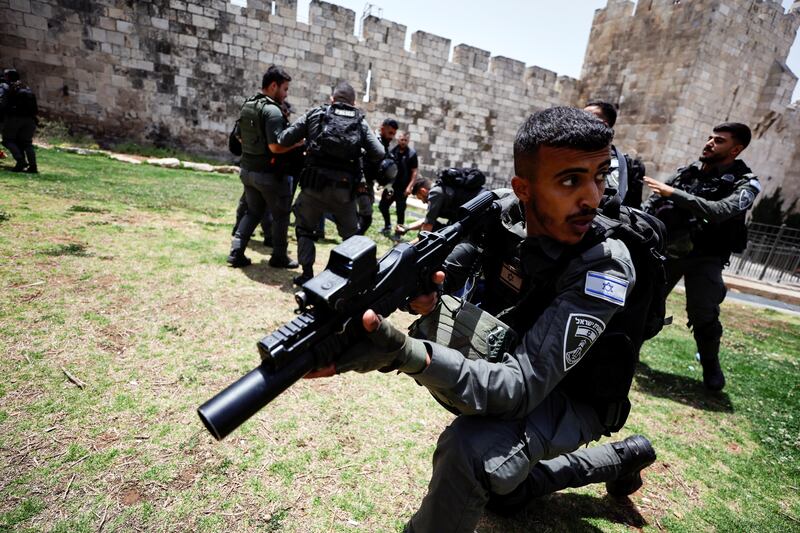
(387, 348)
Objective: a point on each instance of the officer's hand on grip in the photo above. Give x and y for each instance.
(385, 347)
(426, 303)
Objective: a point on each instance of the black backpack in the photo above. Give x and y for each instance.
(235, 140)
(645, 237)
(340, 138)
(21, 102)
(462, 178)
(460, 185)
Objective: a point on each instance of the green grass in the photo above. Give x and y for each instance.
(115, 273)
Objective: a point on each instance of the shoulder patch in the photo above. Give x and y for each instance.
(579, 335)
(754, 183)
(746, 198)
(606, 287)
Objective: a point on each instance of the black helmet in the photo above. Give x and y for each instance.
(387, 172)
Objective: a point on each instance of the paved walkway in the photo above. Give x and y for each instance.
(789, 294)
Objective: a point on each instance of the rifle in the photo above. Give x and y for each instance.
(331, 305)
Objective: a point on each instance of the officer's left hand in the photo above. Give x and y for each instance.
(384, 347)
(657, 187)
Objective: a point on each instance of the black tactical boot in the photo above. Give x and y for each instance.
(307, 274)
(636, 454)
(32, 169)
(19, 167)
(708, 339)
(236, 258)
(283, 262)
(713, 378)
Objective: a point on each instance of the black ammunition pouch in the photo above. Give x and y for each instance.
(317, 178)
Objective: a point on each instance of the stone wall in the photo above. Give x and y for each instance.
(677, 68)
(175, 72)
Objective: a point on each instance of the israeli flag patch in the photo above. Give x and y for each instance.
(606, 287)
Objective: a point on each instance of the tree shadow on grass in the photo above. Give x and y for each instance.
(681, 389)
(566, 511)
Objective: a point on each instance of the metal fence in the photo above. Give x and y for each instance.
(772, 254)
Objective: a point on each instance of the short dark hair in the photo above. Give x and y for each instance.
(740, 132)
(609, 111)
(558, 127)
(276, 74)
(344, 92)
(11, 74)
(420, 183)
(390, 122)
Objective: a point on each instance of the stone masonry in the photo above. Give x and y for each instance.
(174, 72)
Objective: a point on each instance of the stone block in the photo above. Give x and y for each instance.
(194, 8)
(124, 26)
(430, 47)
(189, 41)
(204, 22)
(377, 30)
(472, 57)
(35, 21)
(20, 5)
(331, 16)
(159, 23)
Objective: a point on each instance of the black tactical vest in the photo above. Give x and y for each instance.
(518, 290)
(708, 238)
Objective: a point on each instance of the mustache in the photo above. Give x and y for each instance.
(589, 211)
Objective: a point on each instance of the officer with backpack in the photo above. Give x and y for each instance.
(558, 336)
(262, 172)
(19, 108)
(627, 172)
(381, 172)
(454, 188)
(335, 134)
(407, 163)
(704, 206)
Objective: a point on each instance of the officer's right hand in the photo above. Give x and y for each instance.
(426, 303)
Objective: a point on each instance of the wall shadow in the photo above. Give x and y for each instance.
(681, 389)
(566, 512)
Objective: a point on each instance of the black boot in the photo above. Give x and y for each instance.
(713, 378)
(277, 261)
(708, 339)
(19, 167)
(308, 273)
(636, 453)
(236, 258)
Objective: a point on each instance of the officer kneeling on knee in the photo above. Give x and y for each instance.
(556, 348)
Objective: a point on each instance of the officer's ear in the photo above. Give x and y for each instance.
(522, 188)
(736, 150)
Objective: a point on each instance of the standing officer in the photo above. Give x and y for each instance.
(382, 172)
(564, 287)
(627, 172)
(703, 207)
(335, 133)
(407, 164)
(265, 181)
(20, 110)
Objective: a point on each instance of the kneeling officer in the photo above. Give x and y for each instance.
(335, 135)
